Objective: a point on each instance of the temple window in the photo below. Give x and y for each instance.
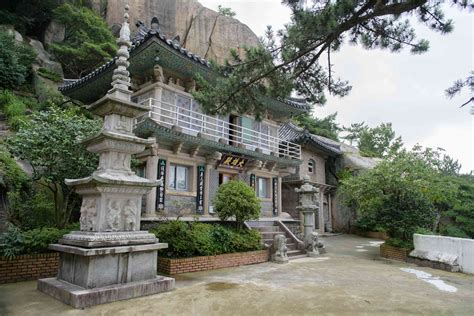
(178, 178)
(311, 166)
(263, 187)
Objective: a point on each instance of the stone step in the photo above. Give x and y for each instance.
(293, 253)
(292, 246)
(260, 224)
(270, 240)
(297, 257)
(267, 228)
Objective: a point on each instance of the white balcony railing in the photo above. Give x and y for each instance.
(212, 127)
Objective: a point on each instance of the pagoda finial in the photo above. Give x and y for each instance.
(121, 76)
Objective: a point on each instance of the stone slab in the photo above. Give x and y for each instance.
(79, 297)
(107, 239)
(106, 250)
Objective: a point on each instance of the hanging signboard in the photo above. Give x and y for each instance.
(275, 195)
(252, 181)
(200, 189)
(160, 190)
(233, 161)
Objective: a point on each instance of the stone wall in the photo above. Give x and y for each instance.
(450, 250)
(180, 205)
(29, 267)
(183, 265)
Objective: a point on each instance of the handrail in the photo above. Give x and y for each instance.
(193, 122)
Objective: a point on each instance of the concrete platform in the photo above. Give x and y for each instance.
(350, 279)
(79, 297)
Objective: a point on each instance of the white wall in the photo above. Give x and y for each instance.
(445, 249)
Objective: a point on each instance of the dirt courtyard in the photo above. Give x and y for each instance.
(351, 279)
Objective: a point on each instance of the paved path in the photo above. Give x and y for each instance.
(351, 279)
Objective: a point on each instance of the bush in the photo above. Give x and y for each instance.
(15, 61)
(199, 239)
(53, 76)
(401, 194)
(396, 242)
(15, 242)
(237, 200)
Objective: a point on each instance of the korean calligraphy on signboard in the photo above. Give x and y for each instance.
(160, 190)
(200, 189)
(233, 161)
(275, 195)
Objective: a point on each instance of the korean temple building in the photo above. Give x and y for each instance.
(194, 152)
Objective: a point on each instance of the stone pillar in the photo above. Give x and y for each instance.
(151, 174)
(110, 258)
(321, 211)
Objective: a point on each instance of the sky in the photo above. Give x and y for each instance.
(404, 89)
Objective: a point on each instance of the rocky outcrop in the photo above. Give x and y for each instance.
(201, 30)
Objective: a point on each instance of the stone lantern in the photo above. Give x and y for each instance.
(110, 258)
(309, 207)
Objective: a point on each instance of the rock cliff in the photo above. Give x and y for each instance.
(201, 30)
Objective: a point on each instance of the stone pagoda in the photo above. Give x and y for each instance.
(110, 258)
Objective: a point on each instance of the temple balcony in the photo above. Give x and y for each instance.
(218, 129)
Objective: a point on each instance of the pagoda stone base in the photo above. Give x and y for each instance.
(90, 276)
(80, 297)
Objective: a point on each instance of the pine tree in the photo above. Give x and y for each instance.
(298, 58)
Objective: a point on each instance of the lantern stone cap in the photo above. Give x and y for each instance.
(111, 105)
(307, 187)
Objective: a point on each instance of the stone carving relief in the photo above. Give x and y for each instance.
(130, 213)
(122, 124)
(280, 254)
(112, 223)
(88, 215)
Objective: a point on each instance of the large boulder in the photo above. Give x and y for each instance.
(201, 30)
(54, 33)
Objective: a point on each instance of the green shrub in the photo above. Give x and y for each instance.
(38, 240)
(396, 242)
(15, 61)
(178, 236)
(11, 242)
(246, 240)
(45, 73)
(199, 239)
(15, 242)
(237, 200)
(202, 238)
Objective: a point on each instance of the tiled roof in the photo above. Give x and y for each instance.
(296, 134)
(141, 38)
(136, 43)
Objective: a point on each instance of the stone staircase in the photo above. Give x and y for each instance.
(269, 229)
